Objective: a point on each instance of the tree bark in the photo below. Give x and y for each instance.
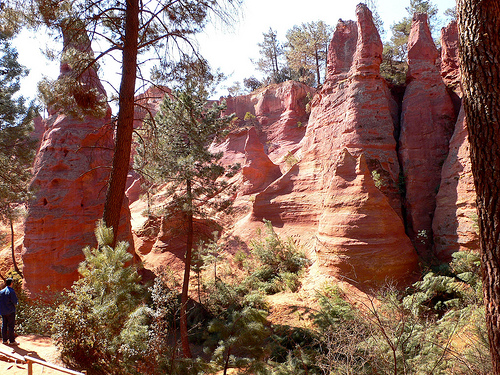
(12, 237)
(125, 125)
(316, 58)
(479, 25)
(187, 269)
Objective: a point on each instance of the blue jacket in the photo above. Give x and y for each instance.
(8, 301)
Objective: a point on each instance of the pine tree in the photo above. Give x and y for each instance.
(17, 148)
(103, 322)
(271, 52)
(306, 50)
(175, 150)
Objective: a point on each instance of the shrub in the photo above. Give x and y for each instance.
(102, 323)
(36, 316)
(240, 336)
(333, 310)
(276, 260)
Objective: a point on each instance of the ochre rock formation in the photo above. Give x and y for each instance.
(169, 248)
(322, 166)
(354, 115)
(427, 123)
(280, 116)
(354, 211)
(455, 223)
(449, 58)
(455, 219)
(71, 171)
(336, 183)
(259, 171)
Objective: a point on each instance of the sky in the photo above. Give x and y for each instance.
(231, 48)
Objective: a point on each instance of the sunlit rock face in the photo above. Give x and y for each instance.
(348, 169)
(278, 113)
(427, 123)
(455, 225)
(71, 172)
(450, 70)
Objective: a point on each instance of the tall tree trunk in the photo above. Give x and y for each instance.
(125, 125)
(318, 76)
(479, 25)
(187, 269)
(16, 268)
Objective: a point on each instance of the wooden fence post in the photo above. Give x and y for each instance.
(30, 367)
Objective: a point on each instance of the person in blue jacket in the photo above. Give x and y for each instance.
(8, 302)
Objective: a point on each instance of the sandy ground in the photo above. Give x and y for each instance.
(34, 346)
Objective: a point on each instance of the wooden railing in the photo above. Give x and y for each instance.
(18, 358)
(31, 360)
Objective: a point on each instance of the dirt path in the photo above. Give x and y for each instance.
(34, 346)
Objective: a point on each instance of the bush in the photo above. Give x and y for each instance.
(278, 263)
(36, 316)
(103, 323)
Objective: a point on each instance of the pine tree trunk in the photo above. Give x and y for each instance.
(125, 125)
(187, 269)
(16, 268)
(479, 25)
(318, 76)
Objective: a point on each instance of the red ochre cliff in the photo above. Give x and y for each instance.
(427, 123)
(71, 171)
(360, 183)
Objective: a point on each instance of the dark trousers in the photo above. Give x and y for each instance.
(8, 323)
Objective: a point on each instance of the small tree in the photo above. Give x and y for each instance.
(175, 149)
(103, 322)
(271, 52)
(17, 148)
(306, 50)
(252, 83)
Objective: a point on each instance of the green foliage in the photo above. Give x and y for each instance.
(70, 92)
(17, 148)
(437, 294)
(160, 355)
(239, 337)
(223, 297)
(436, 328)
(36, 316)
(306, 51)
(334, 309)
(394, 65)
(235, 89)
(451, 14)
(278, 263)
(174, 149)
(102, 323)
(252, 83)
(249, 116)
(271, 52)
(377, 179)
(290, 160)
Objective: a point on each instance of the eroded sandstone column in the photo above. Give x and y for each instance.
(71, 171)
(427, 123)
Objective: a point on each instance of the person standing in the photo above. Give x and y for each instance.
(8, 302)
